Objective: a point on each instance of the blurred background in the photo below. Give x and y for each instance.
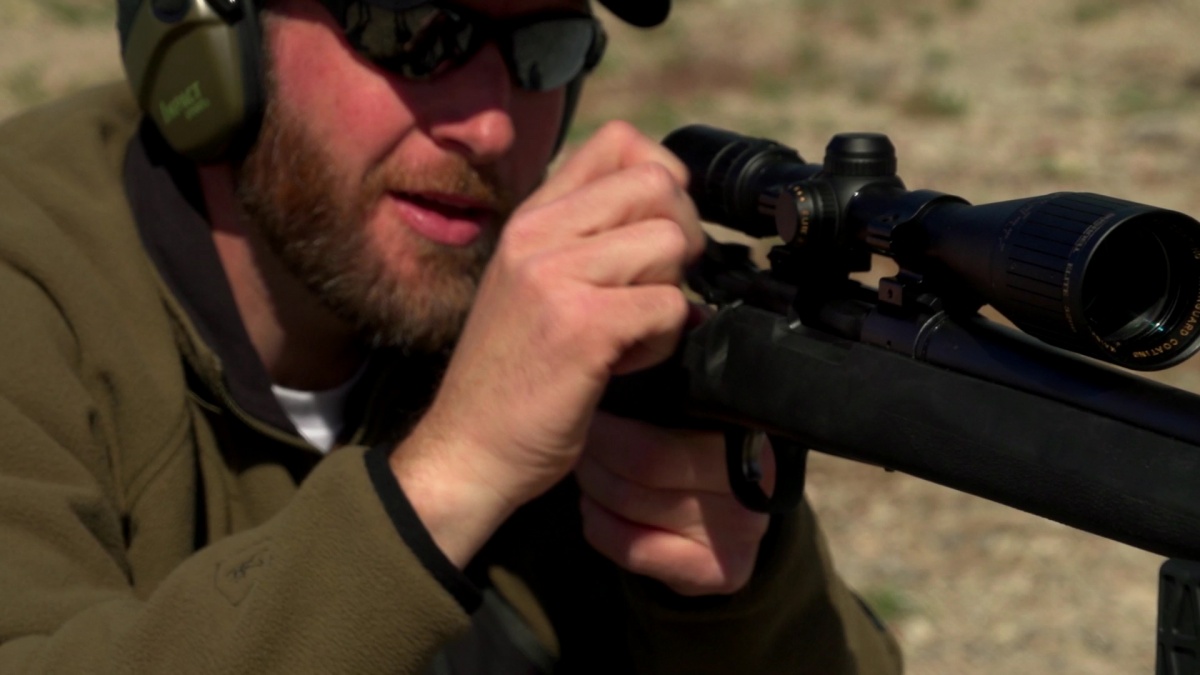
(986, 99)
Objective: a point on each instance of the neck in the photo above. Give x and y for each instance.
(301, 343)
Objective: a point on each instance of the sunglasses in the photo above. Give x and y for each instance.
(421, 40)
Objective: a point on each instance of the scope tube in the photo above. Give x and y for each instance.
(734, 179)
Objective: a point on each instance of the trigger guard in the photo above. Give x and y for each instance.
(742, 448)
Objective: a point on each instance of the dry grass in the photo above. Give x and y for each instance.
(988, 99)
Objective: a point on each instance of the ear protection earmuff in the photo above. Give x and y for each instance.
(195, 67)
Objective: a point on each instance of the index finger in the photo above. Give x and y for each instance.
(618, 145)
(659, 457)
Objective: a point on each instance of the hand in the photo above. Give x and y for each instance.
(584, 285)
(657, 502)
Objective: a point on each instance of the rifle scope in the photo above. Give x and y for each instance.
(1100, 276)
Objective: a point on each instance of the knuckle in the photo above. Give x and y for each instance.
(637, 148)
(656, 178)
(675, 306)
(619, 131)
(673, 243)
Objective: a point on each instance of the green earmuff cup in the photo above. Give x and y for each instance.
(193, 66)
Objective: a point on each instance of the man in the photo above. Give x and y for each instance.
(185, 338)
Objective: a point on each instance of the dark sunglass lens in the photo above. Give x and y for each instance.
(548, 54)
(416, 43)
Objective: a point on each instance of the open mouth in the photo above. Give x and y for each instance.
(444, 219)
(448, 207)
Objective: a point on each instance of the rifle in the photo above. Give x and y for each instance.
(911, 377)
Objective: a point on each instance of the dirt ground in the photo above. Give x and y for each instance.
(987, 99)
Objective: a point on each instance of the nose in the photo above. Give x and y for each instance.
(471, 108)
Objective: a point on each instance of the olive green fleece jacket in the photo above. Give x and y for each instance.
(136, 537)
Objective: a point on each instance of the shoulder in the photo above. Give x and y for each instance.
(60, 171)
(65, 221)
(86, 304)
(73, 134)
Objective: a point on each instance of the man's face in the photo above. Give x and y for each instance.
(384, 196)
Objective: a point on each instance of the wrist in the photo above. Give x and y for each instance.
(452, 492)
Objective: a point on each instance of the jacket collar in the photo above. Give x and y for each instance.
(164, 194)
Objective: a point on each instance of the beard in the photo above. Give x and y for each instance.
(394, 287)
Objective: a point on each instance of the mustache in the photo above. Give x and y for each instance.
(452, 175)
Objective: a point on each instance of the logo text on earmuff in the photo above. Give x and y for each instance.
(189, 103)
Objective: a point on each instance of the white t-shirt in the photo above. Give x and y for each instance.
(318, 415)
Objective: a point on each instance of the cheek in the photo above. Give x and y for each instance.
(349, 108)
